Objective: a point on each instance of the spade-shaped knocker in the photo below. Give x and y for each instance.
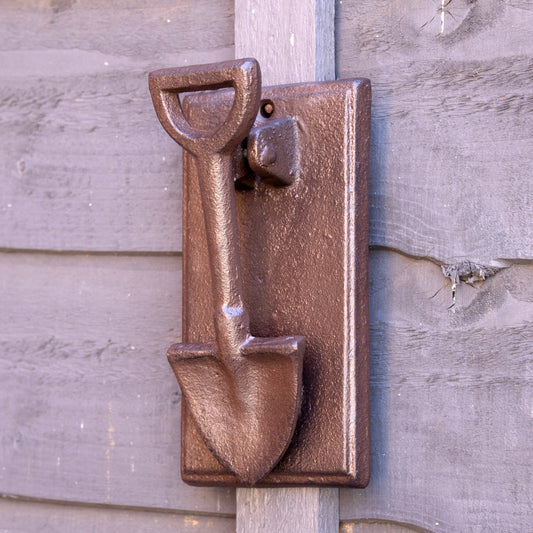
(274, 367)
(242, 392)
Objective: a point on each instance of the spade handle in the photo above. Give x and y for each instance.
(213, 153)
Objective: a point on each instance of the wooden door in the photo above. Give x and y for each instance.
(90, 267)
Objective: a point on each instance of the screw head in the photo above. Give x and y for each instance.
(267, 109)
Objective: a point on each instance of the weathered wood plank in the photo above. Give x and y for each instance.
(451, 400)
(293, 510)
(160, 27)
(27, 516)
(452, 131)
(85, 164)
(450, 405)
(90, 407)
(293, 43)
(451, 134)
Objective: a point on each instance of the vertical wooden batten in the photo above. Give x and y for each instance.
(293, 43)
(288, 510)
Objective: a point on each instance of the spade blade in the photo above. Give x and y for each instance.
(245, 408)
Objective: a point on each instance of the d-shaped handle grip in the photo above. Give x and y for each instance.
(244, 75)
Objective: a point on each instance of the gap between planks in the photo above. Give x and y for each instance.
(91, 505)
(122, 253)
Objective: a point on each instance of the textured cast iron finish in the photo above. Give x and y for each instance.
(304, 252)
(272, 151)
(243, 392)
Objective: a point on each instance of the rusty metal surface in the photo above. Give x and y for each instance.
(243, 392)
(304, 252)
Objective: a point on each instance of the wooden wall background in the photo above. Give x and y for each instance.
(90, 258)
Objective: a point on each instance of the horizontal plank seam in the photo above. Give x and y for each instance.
(136, 253)
(504, 261)
(379, 248)
(75, 503)
(380, 521)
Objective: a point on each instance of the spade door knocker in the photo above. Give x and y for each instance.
(243, 392)
(249, 340)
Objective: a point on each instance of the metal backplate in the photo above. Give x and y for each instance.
(304, 252)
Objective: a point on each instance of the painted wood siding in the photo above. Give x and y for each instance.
(30, 516)
(90, 282)
(84, 164)
(90, 264)
(450, 180)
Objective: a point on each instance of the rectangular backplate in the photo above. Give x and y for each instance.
(304, 253)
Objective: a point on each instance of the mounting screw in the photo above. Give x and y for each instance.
(267, 109)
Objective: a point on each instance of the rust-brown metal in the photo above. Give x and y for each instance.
(304, 252)
(272, 151)
(243, 392)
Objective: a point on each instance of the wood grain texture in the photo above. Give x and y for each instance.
(451, 391)
(86, 166)
(84, 163)
(452, 132)
(293, 42)
(30, 516)
(450, 400)
(82, 149)
(292, 510)
(90, 407)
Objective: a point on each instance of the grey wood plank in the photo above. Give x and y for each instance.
(450, 136)
(290, 510)
(84, 163)
(139, 29)
(451, 390)
(452, 130)
(450, 400)
(90, 407)
(293, 43)
(31, 516)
